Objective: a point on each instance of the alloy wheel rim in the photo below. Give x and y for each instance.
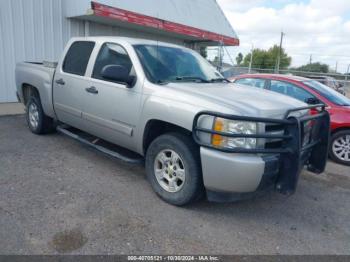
(33, 113)
(341, 148)
(169, 170)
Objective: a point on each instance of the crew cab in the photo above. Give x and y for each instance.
(198, 133)
(312, 92)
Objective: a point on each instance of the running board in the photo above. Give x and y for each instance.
(101, 145)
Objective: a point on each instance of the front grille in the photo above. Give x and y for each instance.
(279, 136)
(274, 129)
(273, 145)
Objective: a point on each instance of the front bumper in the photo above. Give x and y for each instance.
(233, 172)
(238, 176)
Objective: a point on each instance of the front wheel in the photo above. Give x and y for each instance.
(340, 147)
(173, 169)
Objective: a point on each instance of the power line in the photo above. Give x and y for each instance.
(251, 59)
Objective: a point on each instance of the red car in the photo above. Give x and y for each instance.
(311, 92)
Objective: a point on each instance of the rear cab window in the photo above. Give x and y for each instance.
(77, 58)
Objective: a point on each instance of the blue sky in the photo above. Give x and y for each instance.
(320, 28)
(278, 4)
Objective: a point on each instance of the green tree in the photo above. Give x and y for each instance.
(239, 58)
(266, 59)
(314, 67)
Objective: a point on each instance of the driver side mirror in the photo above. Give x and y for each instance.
(313, 101)
(118, 74)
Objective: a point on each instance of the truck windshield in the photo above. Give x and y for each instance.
(328, 93)
(163, 64)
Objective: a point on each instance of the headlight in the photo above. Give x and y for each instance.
(234, 127)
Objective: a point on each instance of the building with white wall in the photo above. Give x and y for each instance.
(37, 30)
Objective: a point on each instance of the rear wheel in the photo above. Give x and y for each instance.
(173, 169)
(340, 147)
(37, 121)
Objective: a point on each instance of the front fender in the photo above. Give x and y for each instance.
(165, 109)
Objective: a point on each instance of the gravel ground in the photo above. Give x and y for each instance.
(58, 196)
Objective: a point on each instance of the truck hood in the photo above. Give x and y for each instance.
(245, 100)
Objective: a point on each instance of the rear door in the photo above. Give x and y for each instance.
(70, 82)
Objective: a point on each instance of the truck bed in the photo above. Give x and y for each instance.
(39, 75)
(44, 63)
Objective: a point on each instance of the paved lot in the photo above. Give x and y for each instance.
(58, 196)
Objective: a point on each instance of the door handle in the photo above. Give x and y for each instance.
(60, 82)
(92, 90)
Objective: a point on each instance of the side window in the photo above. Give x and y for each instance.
(245, 81)
(260, 83)
(256, 82)
(299, 93)
(279, 87)
(290, 90)
(77, 58)
(111, 54)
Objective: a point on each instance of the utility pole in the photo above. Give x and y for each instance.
(310, 59)
(336, 67)
(251, 59)
(221, 56)
(278, 63)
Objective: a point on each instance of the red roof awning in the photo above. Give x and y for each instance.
(122, 15)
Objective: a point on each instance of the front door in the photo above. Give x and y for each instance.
(70, 82)
(111, 109)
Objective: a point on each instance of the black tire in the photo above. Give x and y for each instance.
(332, 153)
(185, 147)
(45, 124)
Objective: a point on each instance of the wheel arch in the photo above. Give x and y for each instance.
(28, 90)
(155, 128)
(339, 130)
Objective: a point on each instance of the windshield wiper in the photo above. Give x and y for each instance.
(192, 78)
(220, 80)
(161, 82)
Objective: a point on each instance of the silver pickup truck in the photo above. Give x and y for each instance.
(197, 133)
